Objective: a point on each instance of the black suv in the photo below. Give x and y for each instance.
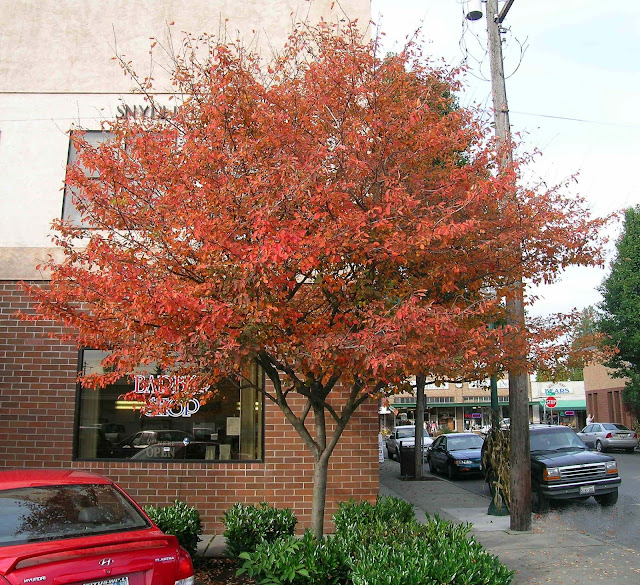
(563, 468)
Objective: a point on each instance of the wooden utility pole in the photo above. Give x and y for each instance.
(419, 442)
(520, 509)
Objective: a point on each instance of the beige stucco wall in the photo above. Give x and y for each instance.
(67, 45)
(57, 72)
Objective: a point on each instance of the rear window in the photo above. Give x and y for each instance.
(406, 433)
(614, 427)
(34, 514)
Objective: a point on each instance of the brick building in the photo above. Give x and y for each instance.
(56, 71)
(604, 396)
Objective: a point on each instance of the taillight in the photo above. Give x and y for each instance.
(184, 573)
(608, 436)
(635, 435)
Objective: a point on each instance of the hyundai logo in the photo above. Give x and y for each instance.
(105, 562)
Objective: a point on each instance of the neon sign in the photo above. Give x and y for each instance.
(160, 388)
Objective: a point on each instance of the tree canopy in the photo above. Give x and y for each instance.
(330, 215)
(620, 309)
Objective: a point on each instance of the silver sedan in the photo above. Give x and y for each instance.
(605, 436)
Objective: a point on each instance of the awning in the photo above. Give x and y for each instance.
(568, 404)
(402, 405)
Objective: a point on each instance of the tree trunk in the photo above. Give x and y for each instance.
(320, 473)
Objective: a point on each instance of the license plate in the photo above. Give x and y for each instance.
(587, 489)
(621, 436)
(114, 581)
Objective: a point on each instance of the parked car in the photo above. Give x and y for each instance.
(455, 454)
(72, 526)
(605, 436)
(563, 468)
(405, 436)
(142, 439)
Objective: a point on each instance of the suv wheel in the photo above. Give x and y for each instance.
(539, 502)
(600, 447)
(607, 499)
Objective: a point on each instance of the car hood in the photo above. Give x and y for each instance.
(555, 459)
(466, 454)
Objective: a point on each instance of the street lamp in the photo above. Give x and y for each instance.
(474, 11)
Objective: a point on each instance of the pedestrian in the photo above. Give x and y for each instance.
(590, 419)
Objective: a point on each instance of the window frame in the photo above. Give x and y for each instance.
(260, 428)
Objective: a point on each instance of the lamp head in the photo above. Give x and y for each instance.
(474, 10)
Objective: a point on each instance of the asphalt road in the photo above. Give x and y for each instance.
(619, 523)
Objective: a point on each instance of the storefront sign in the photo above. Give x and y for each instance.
(161, 388)
(569, 413)
(146, 111)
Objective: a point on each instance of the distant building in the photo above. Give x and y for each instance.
(463, 405)
(604, 396)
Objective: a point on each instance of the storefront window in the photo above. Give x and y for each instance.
(228, 427)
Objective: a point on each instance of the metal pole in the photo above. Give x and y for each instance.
(518, 396)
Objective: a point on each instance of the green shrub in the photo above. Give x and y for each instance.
(249, 525)
(294, 561)
(359, 513)
(275, 563)
(377, 550)
(181, 520)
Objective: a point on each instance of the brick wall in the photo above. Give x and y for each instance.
(604, 395)
(37, 406)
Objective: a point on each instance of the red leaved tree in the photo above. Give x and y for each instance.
(331, 216)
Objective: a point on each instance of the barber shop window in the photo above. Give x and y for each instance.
(228, 427)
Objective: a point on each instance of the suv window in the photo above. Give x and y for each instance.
(550, 440)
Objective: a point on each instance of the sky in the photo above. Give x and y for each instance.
(573, 87)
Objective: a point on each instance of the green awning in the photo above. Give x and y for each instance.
(568, 404)
(401, 405)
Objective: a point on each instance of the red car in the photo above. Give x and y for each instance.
(71, 527)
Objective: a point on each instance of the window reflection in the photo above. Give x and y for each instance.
(227, 427)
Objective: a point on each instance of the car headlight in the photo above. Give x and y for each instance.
(611, 467)
(464, 462)
(551, 473)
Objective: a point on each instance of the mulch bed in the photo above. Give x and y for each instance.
(219, 571)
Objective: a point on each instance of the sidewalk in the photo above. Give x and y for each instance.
(547, 554)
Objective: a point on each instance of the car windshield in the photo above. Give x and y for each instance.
(57, 512)
(555, 441)
(405, 433)
(614, 427)
(466, 442)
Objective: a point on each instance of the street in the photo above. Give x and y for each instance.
(619, 523)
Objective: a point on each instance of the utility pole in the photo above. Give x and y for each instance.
(419, 437)
(520, 509)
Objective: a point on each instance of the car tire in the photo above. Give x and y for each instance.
(391, 455)
(539, 502)
(607, 499)
(432, 466)
(630, 450)
(451, 474)
(600, 447)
